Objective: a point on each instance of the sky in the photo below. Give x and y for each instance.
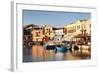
(53, 18)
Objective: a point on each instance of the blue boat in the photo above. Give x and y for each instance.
(61, 49)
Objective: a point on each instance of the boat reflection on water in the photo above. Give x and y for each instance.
(42, 53)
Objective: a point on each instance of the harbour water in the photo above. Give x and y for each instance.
(39, 54)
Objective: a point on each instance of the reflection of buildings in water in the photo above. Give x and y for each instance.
(49, 55)
(59, 56)
(38, 53)
(68, 56)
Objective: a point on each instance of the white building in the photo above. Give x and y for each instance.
(58, 37)
(76, 28)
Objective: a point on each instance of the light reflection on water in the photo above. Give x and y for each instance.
(38, 54)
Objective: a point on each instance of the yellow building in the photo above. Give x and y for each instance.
(77, 28)
(40, 32)
(37, 34)
(48, 31)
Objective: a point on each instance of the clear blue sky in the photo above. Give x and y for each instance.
(57, 19)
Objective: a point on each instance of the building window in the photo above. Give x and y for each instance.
(37, 34)
(79, 26)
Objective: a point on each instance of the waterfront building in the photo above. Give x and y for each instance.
(74, 31)
(58, 35)
(48, 31)
(37, 34)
